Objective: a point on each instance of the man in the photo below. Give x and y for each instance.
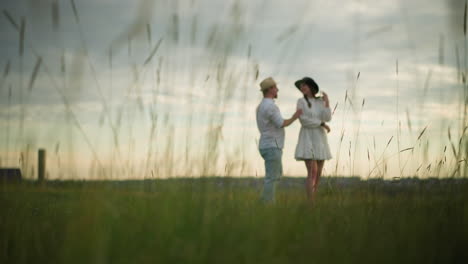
(271, 126)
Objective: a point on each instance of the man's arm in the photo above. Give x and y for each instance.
(289, 121)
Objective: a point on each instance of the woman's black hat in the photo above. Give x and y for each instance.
(309, 81)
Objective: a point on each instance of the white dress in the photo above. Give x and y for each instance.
(313, 142)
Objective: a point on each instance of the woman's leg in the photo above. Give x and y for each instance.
(320, 164)
(311, 166)
(308, 182)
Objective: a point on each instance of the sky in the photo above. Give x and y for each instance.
(144, 89)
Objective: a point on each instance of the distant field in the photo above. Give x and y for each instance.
(216, 220)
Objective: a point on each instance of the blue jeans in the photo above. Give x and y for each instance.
(273, 172)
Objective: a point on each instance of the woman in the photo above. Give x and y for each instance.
(312, 146)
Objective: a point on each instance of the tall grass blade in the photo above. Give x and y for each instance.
(155, 49)
(193, 32)
(390, 140)
(22, 30)
(212, 36)
(406, 149)
(455, 172)
(378, 31)
(137, 26)
(62, 63)
(422, 132)
(110, 58)
(175, 28)
(257, 71)
(464, 20)
(6, 71)
(461, 137)
(457, 57)
(441, 49)
(287, 33)
(334, 109)
(55, 15)
(349, 149)
(449, 134)
(148, 33)
(408, 120)
(75, 11)
(418, 168)
(426, 83)
(396, 67)
(454, 150)
(34, 73)
(11, 19)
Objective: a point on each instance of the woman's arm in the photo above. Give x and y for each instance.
(326, 111)
(325, 99)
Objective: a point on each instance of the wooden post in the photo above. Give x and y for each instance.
(41, 164)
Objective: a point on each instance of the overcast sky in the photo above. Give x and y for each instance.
(101, 100)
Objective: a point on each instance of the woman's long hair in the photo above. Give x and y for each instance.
(307, 100)
(313, 87)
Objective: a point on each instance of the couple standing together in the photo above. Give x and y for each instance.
(312, 146)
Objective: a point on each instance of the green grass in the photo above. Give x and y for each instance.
(221, 221)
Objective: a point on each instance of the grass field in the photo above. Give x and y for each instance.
(219, 220)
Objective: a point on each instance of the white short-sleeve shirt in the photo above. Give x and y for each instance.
(270, 124)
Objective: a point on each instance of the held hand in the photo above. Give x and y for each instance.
(325, 96)
(327, 128)
(325, 99)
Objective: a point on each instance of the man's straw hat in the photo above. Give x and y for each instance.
(267, 83)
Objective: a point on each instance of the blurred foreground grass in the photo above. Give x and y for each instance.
(216, 220)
